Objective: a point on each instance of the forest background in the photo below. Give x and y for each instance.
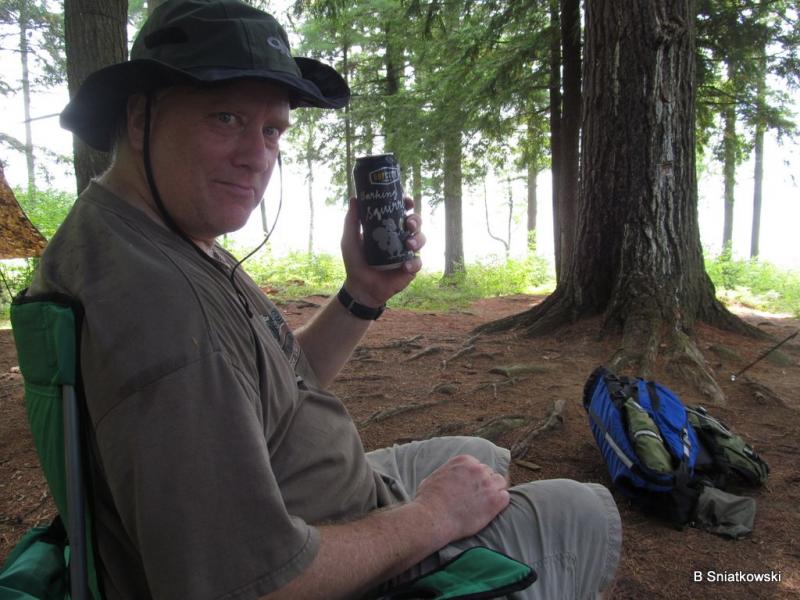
(611, 109)
(428, 77)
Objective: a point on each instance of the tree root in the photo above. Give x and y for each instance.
(542, 319)
(427, 351)
(554, 419)
(496, 384)
(462, 352)
(442, 430)
(686, 362)
(381, 377)
(388, 413)
(718, 316)
(409, 343)
(526, 464)
(492, 430)
(764, 395)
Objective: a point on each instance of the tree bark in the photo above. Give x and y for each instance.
(533, 200)
(555, 128)
(453, 222)
(638, 261)
(96, 36)
(570, 129)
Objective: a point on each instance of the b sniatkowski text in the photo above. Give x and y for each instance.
(736, 577)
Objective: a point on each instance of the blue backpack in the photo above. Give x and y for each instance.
(644, 435)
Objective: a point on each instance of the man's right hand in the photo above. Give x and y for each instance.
(462, 497)
(455, 501)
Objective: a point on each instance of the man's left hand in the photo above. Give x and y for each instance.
(369, 286)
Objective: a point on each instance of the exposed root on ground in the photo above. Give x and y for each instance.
(553, 420)
(647, 336)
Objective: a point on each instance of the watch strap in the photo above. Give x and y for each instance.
(361, 311)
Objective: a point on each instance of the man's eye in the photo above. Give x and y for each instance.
(272, 132)
(226, 118)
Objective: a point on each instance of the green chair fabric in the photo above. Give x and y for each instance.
(46, 332)
(476, 573)
(37, 567)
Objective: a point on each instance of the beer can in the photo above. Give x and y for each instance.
(382, 211)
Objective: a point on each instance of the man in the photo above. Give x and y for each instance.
(221, 467)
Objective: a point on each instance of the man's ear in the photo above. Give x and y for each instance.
(135, 120)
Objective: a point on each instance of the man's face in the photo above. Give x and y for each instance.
(213, 151)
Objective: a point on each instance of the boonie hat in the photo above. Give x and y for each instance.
(196, 42)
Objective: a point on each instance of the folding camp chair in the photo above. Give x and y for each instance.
(46, 333)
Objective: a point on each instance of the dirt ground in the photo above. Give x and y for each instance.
(410, 358)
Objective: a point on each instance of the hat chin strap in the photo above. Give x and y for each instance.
(170, 222)
(151, 182)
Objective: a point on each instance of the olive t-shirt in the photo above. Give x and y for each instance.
(214, 448)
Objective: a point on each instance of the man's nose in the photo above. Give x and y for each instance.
(253, 152)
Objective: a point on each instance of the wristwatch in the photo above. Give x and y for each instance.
(359, 310)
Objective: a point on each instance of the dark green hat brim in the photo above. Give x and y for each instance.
(96, 109)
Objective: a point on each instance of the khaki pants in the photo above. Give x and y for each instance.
(569, 532)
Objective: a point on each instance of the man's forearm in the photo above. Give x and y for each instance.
(329, 339)
(358, 556)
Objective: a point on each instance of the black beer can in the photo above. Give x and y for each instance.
(382, 211)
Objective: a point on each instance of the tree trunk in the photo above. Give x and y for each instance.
(416, 191)
(510, 219)
(392, 128)
(95, 36)
(348, 129)
(310, 179)
(729, 169)
(488, 226)
(555, 128)
(533, 200)
(453, 223)
(26, 97)
(758, 172)
(638, 261)
(570, 129)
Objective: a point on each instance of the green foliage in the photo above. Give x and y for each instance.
(480, 280)
(755, 284)
(15, 276)
(298, 274)
(45, 208)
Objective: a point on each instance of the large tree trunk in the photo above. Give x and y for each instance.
(729, 144)
(638, 260)
(453, 223)
(96, 36)
(555, 128)
(570, 129)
